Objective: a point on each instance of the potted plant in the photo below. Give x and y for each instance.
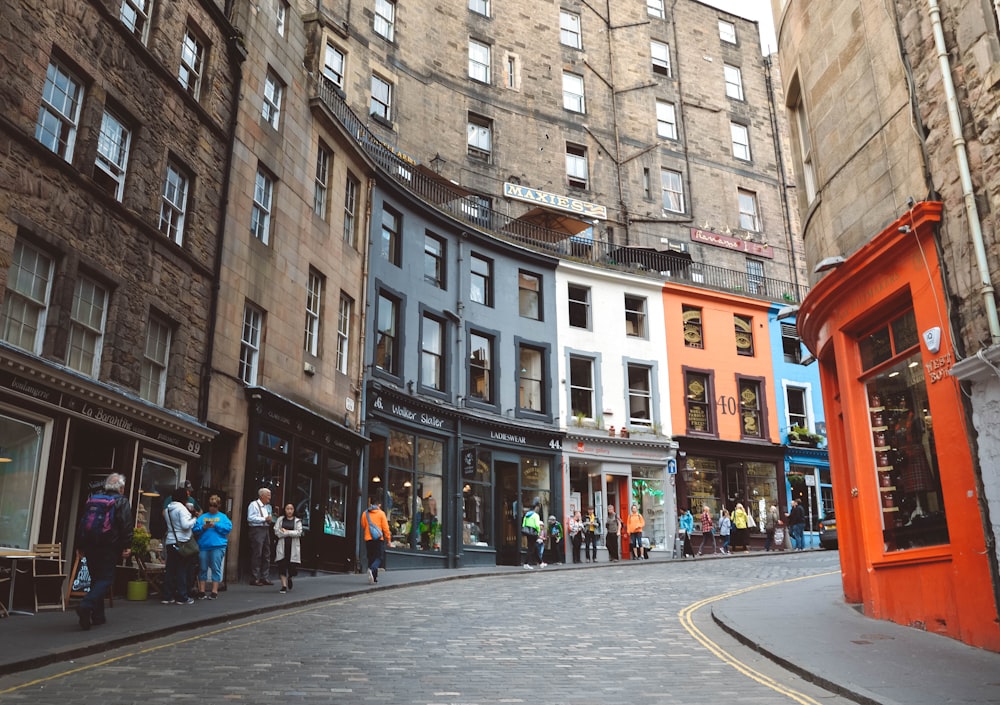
(138, 589)
(799, 436)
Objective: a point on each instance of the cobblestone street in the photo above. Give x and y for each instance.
(612, 634)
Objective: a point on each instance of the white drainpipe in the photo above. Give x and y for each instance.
(972, 212)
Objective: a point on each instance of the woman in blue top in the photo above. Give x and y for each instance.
(212, 530)
(687, 527)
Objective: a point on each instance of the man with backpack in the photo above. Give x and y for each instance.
(103, 536)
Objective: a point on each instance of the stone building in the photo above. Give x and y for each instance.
(891, 107)
(115, 125)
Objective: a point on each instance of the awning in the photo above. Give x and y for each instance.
(554, 220)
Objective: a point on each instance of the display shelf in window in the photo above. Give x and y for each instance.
(889, 488)
(886, 510)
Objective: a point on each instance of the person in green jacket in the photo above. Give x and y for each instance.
(531, 528)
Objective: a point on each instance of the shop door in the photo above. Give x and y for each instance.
(735, 487)
(321, 502)
(507, 516)
(618, 498)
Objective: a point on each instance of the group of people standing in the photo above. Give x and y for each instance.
(734, 528)
(546, 541)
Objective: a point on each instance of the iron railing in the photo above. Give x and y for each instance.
(456, 201)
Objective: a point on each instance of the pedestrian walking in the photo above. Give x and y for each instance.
(741, 529)
(103, 536)
(212, 529)
(725, 529)
(771, 522)
(287, 552)
(796, 525)
(531, 529)
(707, 530)
(635, 526)
(613, 529)
(375, 527)
(575, 530)
(180, 526)
(554, 540)
(259, 520)
(591, 529)
(686, 529)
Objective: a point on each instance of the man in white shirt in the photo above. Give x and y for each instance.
(259, 520)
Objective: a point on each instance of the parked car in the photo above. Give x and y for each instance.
(828, 531)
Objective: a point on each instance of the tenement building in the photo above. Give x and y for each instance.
(892, 118)
(113, 131)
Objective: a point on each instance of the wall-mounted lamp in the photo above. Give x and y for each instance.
(786, 312)
(808, 359)
(828, 263)
(376, 479)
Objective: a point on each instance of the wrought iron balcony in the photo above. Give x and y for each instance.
(443, 195)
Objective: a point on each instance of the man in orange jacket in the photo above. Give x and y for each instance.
(375, 527)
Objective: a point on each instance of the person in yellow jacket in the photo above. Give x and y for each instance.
(375, 527)
(635, 525)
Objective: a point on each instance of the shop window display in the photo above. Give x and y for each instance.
(905, 460)
(477, 491)
(415, 490)
(534, 488)
(20, 456)
(702, 478)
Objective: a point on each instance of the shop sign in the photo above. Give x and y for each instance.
(407, 414)
(96, 413)
(731, 243)
(937, 369)
(553, 200)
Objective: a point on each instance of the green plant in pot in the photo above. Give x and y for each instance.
(803, 436)
(138, 589)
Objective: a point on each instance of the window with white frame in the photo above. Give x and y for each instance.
(660, 53)
(727, 31)
(432, 353)
(26, 304)
(795, 407)
(480, 7)
(531, 379)
(579, 305)
(480, 142)
(333, 65)
(741, 140)
(512, 71)
(253, 325)
(321, 180)
(640, 395)
(387, 317)
(573, 98)
(672, 187)
(112, 155)
(192, 63)
(274, 90)
(582, 387)
(344, 332)
(577, 169)
(351, 188)
(88, 317)
(260, 217)
(280, 16)
(59, 113)
(749, 220)
(654, 8)
(314, 312)
(755, 276)
(155, 358)
(666, 120)
(381, 105)
(569, 29)
(635, 316)
(479, 61)
(529, 295)
(385, 19)
(173, 203)
(734, 81)
(134, 14)
(481, 367)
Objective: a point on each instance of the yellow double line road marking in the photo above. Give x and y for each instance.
(686, 617)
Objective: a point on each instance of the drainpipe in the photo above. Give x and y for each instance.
(958, 140)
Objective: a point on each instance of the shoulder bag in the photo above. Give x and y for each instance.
(187, 549)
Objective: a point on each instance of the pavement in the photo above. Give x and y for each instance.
(818, 635)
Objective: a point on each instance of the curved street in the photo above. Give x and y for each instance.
(621, 634)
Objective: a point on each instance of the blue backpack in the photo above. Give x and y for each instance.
(97, 525)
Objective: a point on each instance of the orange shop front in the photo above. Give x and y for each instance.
(912, 543)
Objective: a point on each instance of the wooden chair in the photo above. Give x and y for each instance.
(152, 573)
(48, 576)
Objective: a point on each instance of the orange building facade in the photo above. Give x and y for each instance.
(912, 546)
(723, 404)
